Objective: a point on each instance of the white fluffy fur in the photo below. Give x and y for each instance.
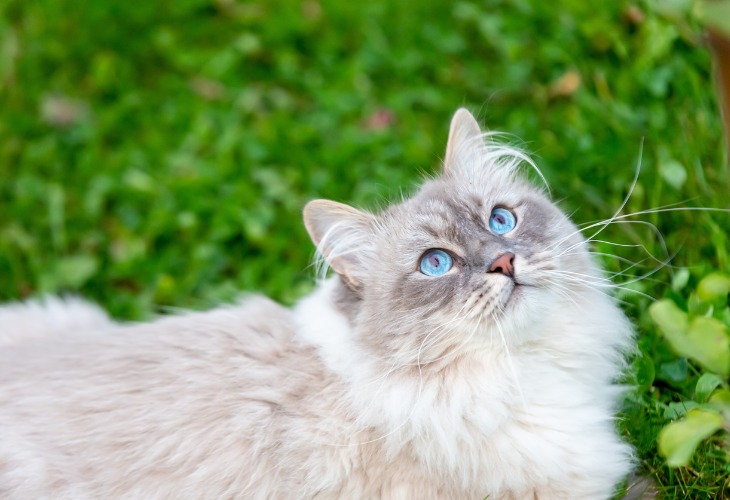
(257, 401)
(363, 435)
(537, 421)
(47, 317)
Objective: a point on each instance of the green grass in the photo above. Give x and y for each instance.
(158, 154)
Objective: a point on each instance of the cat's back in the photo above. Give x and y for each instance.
(183, 398)
(258, 331)
(47, 318)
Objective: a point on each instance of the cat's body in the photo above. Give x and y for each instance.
(477, 383)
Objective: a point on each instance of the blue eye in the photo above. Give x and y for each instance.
(502, 221)
(436, 263)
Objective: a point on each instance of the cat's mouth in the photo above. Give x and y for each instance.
(513, 292)
(506, 293)
(497, 296)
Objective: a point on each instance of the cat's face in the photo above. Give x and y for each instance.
(477, 252)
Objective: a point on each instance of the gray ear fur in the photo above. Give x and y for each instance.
(464, 137)
(343, 236)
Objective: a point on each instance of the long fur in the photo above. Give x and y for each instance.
(383, 383)
(39, 320)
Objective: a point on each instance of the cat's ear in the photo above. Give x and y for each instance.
(465, 138)
(343, 236)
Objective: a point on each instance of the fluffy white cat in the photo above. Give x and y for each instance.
(459, 351)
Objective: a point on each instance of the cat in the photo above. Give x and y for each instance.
(457, 351)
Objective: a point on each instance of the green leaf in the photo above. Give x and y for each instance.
(75, 270)
(720, 396)
(711, 344)
(674, 372)
(698, 307)
(673, 173)
(713, 286)
(678, 409)
(704, 339)
(678, 440)
(720, 400)
(670, 319)
(707, 383)
(645, 371)
(680, 279)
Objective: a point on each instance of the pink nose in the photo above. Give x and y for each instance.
(503, 264)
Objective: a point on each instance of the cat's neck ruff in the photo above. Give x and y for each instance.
(554, 383)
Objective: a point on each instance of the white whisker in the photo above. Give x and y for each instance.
(605, 223)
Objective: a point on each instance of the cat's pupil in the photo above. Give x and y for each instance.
(435, 262)
(499, 219)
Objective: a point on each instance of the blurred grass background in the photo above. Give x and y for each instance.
(158, 154)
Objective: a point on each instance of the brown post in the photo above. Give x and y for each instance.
(721, 48)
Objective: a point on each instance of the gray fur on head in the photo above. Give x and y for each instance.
(377, 255)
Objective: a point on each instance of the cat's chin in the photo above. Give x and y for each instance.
(510, 294)
(514, 294)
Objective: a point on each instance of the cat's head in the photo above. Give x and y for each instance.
(478, 251)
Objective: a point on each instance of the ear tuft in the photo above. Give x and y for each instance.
(464, 137)
(343, 237)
